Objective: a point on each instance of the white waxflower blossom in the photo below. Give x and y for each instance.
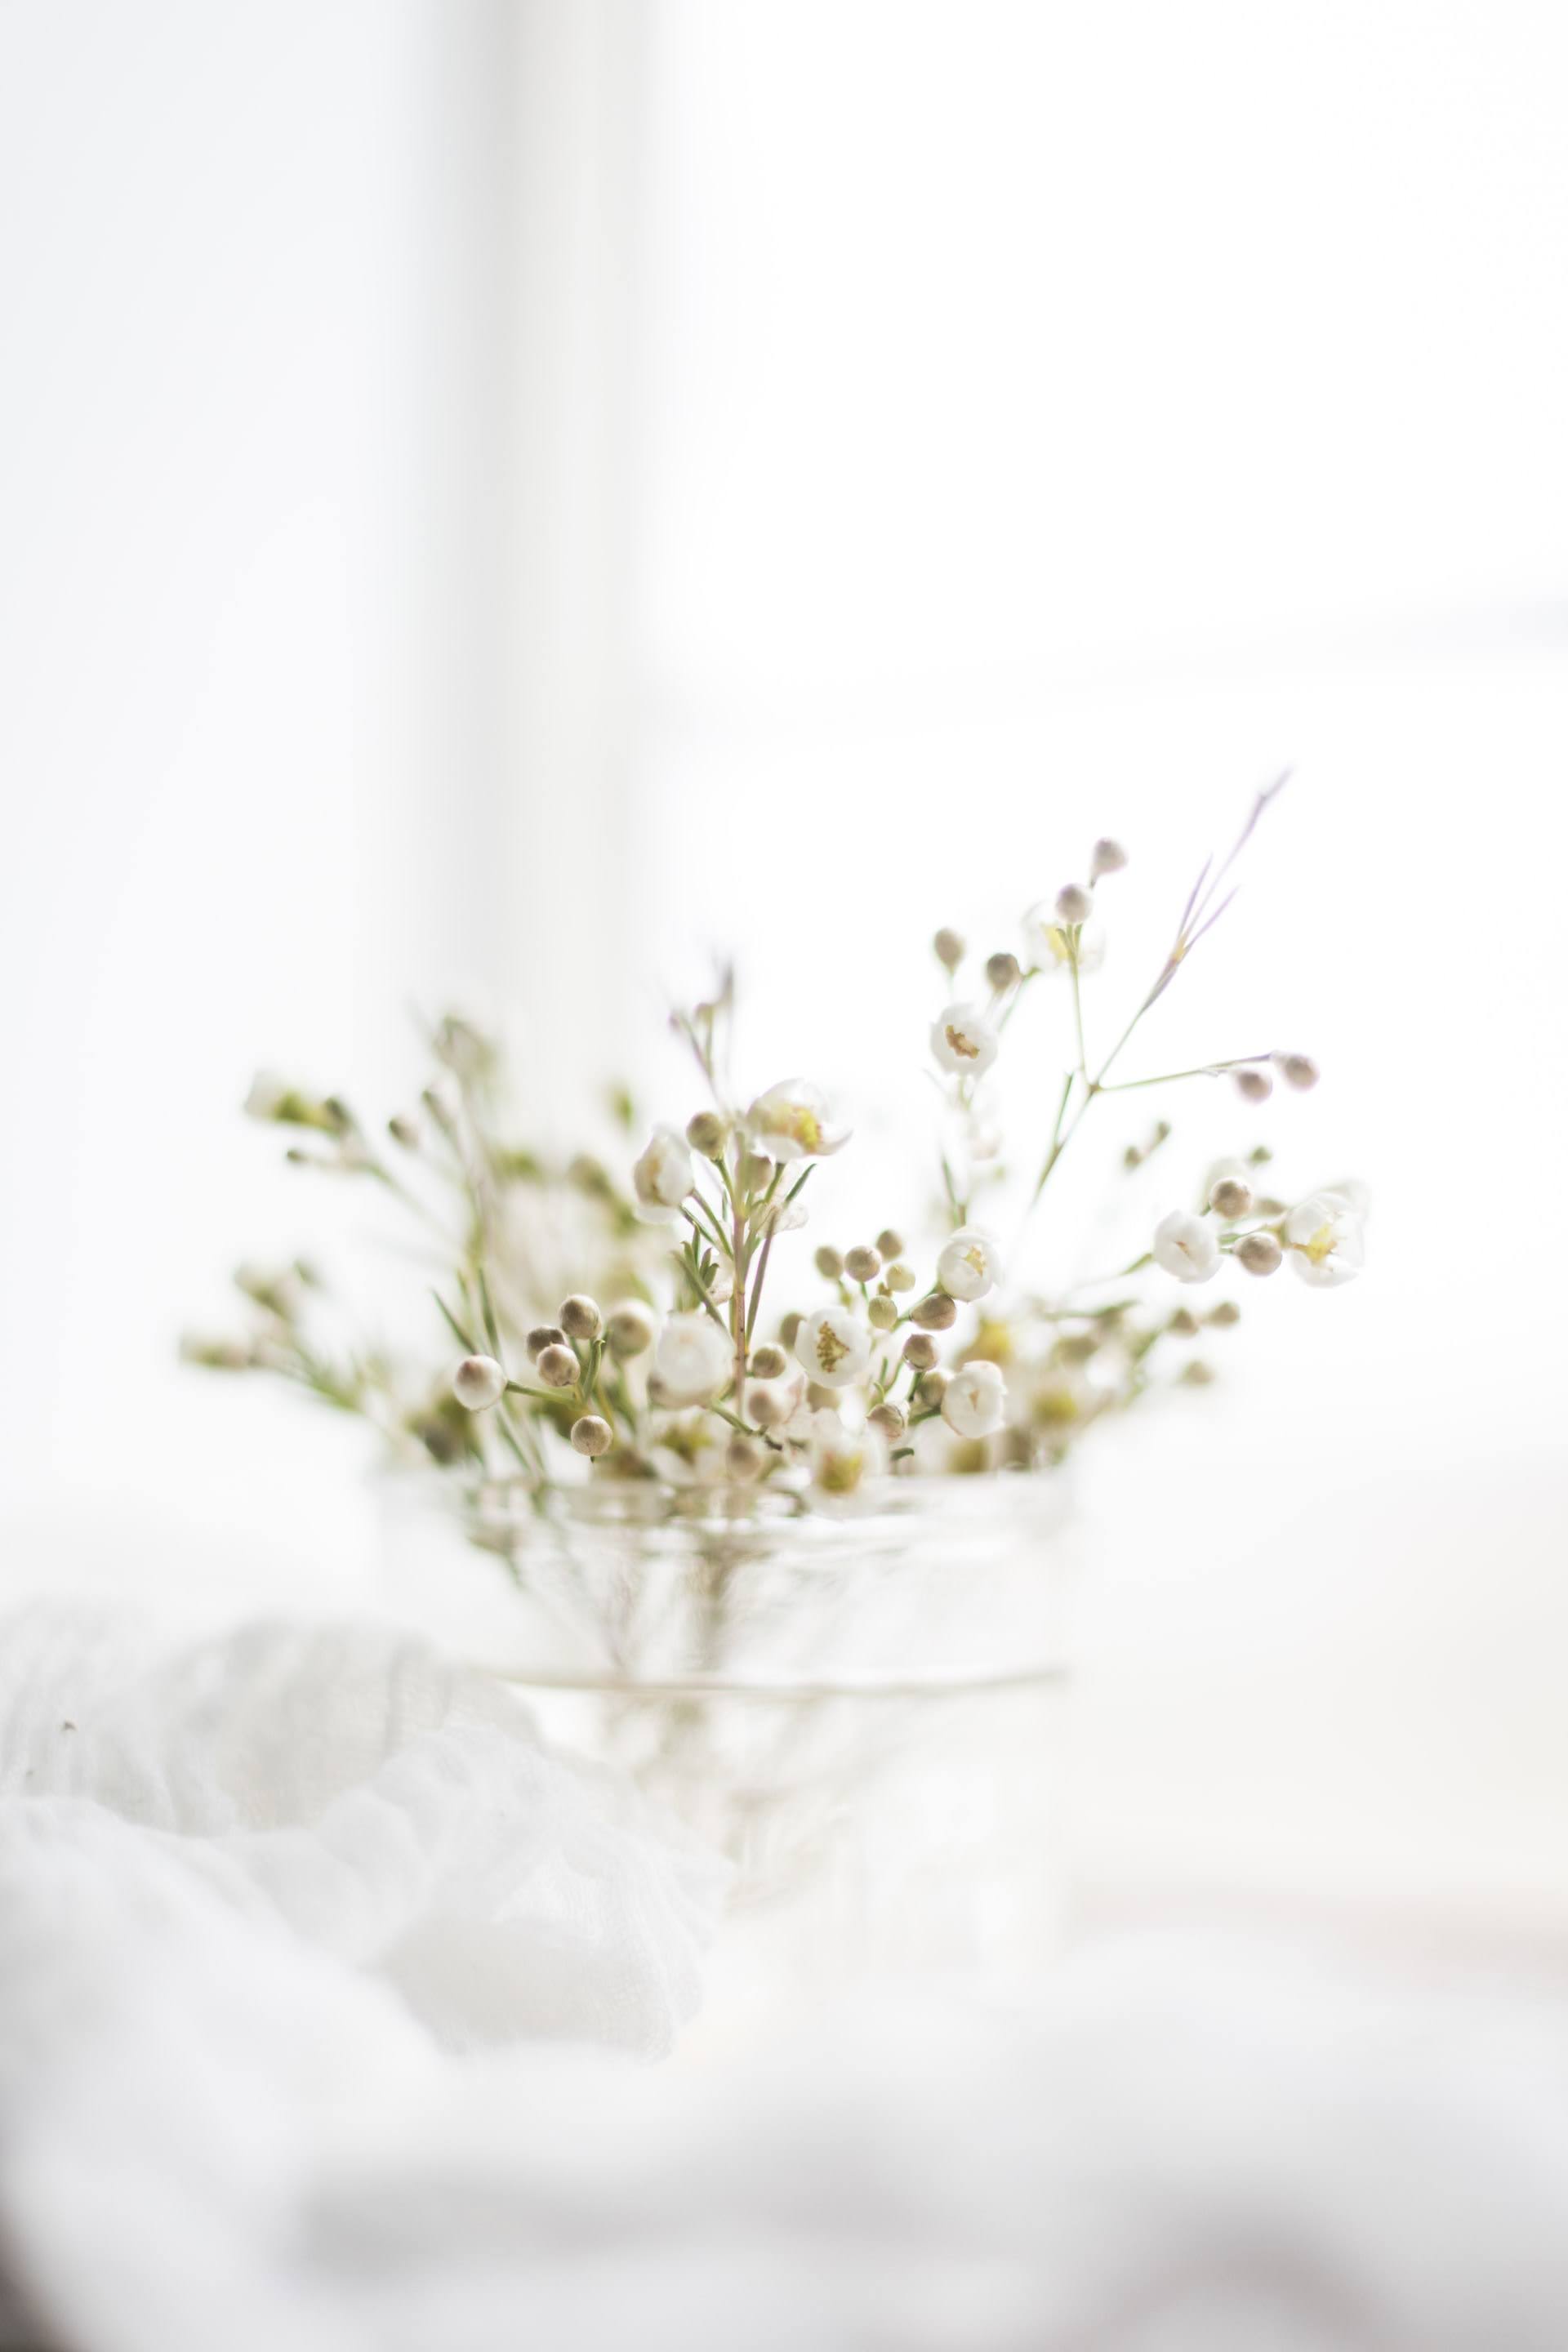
(663, 1176)
(792, 1121)
(1325, 1240)
(833, 1347)
(964, 1041)
(692, 1358)
(478, 1381)
(1186, 1246)
(974, 1402)
(842, 1459)
(969, 1263)
(1048, 942)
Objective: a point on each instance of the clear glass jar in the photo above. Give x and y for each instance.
(861, 1707)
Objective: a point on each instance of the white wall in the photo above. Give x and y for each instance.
(787, 476)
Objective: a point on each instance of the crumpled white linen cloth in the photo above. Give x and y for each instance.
(305, 1945)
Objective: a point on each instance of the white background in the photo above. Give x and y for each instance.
(510, 498)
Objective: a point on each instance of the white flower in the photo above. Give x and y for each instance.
(478, 1381)
(792, 1121)
(692, 1358)
(841, 1458)
(968, 1264)
(663, 1176)
(964, 1041)
(1186, 1246)
(1049, 943)
(975, 1401)
(833, 1347)
(1326, 1242)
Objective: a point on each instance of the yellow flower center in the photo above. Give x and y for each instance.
(831, 1350)
(1321, 1247)
(805, 1127)
(958, 1043)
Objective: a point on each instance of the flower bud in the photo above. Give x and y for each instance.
(931, 1387)
(891, 1244)
(542, 1336)
(591, 1435)
(891, 1419)
(1074, 904)
(1227, 1313)
(936, 1312)
(1259, 1252)
(1253, 1085)
(898, 1276)
(1197, 1374)
(1106, 857)
(862, 1264)
(768, 1362)
(1297, 1070)
(789, 1327)
(556, 1366)
(744, 1457)
(708, 1132)
(949, 950)
(1231, 1197)
(580, 1316)
(478, 1381)
(756, 1171)
(828, 1262)
(920, 1352)
(1003, 970)
(404, 1131)
(629, 1331)
(767, 1407)
(1184, 1324)
(882, 1313)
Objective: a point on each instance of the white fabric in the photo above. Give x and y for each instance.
(288, 1921)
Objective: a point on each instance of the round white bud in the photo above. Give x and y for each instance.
(768, 1362)
(580, 1316)
(1107, 856)
(556, 1367)
(881, 1312)
(591, 1435)
(542, 1336)
(1230, 1197)
(1259, 1253)
(862, 1264)
(891, 1244)
(478, 1381)
(1003, 970)
(1074, 905)
(1297, 1070)
(949, 949)
(920, 1352)
(936, 1313)
(629, 1329)
(707, 1131)
(899, 1277)
(744, 1457)
(1253, 1085)
(828, 1262)
(891, 1419)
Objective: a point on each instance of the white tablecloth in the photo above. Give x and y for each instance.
(328, 2004)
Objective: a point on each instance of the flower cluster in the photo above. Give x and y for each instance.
(667, 1359)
